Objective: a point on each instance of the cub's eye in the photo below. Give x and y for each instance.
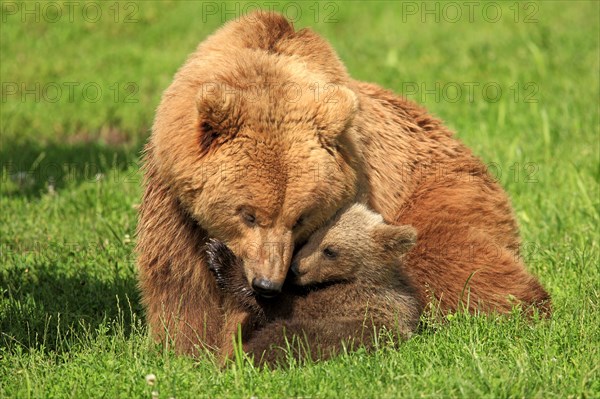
(249, 218)
(329, 253)
(299, 222)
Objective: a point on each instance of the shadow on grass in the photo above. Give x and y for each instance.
(44, 305)
(30, 169)
(43, 308)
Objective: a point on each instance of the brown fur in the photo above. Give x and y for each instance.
(356, 261)
(232, 157)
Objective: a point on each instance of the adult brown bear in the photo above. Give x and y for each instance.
(261, 138)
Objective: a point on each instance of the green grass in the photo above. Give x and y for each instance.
(71, 324)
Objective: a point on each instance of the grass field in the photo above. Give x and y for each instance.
(518, 82)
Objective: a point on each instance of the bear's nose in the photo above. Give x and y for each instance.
(266, 288)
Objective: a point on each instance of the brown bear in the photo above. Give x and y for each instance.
(262, 137)
(358, 287)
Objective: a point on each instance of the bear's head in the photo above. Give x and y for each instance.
(255, 143)
(356, 245)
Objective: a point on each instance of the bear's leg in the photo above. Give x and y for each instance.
(183, 303)
(183, 320)
(237, 322)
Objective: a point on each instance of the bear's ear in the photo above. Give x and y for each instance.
(396, 240)
(336, 108)
(215, 103)
(317, 54)
(257, 30)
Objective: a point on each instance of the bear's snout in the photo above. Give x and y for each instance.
(266, 288)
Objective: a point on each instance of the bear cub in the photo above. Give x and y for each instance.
(346, 284)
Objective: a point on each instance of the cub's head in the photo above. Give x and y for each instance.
(356, 245)
(255, 145)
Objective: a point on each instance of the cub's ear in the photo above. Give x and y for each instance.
(216, 105)
(336, 107)
(397, 240)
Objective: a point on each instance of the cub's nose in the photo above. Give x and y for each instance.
(266, 288)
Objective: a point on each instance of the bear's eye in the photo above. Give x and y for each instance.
(329, 253)
(249, 218)
(299, 222)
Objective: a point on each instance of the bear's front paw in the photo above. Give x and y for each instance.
(220, 260)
